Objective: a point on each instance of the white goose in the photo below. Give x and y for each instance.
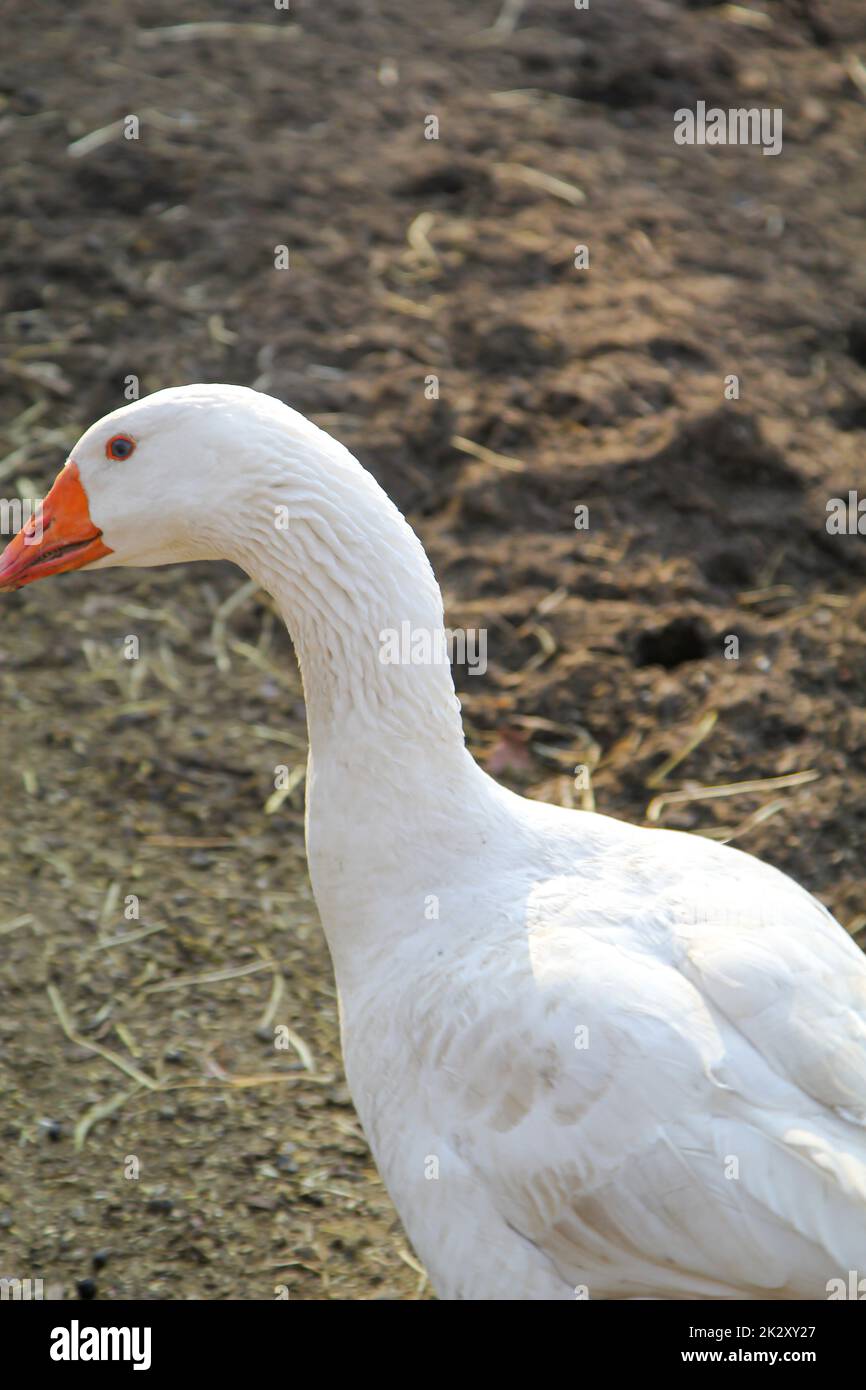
(622, 1062)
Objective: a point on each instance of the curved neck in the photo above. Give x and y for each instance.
(390, 780)
(355, 587)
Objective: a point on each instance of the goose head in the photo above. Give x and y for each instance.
(228, 473)
(163, 479)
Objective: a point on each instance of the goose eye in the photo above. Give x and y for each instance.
(120, 446)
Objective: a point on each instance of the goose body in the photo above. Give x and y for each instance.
(591, 1059)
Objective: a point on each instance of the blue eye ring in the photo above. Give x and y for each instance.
(119, 448)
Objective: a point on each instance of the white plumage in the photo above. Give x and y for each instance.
(608, 1061)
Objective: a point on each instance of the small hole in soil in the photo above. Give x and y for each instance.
(682, 639)
(856, 343)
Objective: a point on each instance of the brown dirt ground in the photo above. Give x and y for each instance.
(606, 646)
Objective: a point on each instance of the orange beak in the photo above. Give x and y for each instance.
(68, 538)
